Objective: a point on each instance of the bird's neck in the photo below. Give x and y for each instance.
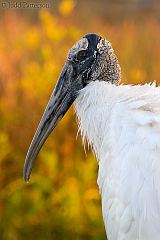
(93, 107)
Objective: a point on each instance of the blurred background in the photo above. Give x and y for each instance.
(61, 200)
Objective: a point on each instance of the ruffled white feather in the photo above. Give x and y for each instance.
(122, 124)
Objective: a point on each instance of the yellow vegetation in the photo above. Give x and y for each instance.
(62, 200)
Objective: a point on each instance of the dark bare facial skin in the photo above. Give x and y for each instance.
(91, 58)
(74, 77)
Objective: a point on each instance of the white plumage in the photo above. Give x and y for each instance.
(122, 124)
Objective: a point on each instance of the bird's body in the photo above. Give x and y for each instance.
(122, 124)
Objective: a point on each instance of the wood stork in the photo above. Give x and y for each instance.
(122, 124)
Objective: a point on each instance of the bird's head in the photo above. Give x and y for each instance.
(91, 58)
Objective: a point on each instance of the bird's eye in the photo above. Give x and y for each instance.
(81, 55)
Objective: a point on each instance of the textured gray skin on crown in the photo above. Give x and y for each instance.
(98, 62)
(78, 46)
(107, 67)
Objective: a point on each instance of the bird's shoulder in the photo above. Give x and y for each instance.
(130, 167)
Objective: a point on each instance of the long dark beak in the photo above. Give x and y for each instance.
(60, 101)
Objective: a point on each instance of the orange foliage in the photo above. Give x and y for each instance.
(62, 199)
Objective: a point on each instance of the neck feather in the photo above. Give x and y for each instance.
(93, 107)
